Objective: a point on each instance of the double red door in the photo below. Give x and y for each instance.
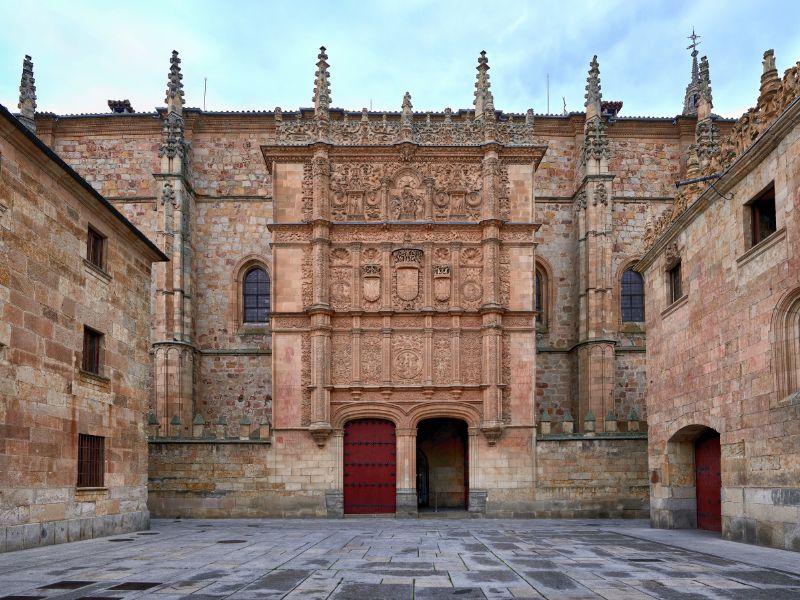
(369, 467)
(709, 482)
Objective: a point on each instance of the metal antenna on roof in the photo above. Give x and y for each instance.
(205, 89)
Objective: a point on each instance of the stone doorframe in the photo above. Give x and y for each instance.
(673, 496)
(406, 423)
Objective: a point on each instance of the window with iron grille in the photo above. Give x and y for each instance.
(762, 216)
(95, 248)
(256, 296)
(92, 342)
(674, 281)
(632, 297)
(91, 460)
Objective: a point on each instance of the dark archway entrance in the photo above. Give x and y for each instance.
(708, 479)
(370, 474)
(442, 464)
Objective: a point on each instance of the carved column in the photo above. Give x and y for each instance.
(490, 173)
(428, 181)
(406, 471)
(320, 427)
(477, 491)
(320, 173)
(386, 347)
(428, 351)
(491, 338)
(320, 259)
(455, 252)
(455, 346)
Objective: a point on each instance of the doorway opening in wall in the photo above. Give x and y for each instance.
(442, 465)
(708, 481)
(370, 473)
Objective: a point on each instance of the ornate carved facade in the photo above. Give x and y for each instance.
(463, 264)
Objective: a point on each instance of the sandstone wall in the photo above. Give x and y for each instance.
(591, 477)
(48, 293)
(717, 366)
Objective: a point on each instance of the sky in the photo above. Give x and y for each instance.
(257, 55)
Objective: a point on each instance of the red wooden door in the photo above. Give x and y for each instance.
(709, 482)
(369, 467)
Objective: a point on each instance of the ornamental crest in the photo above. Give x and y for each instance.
(371, 282)
(407, 262)
(441, 282)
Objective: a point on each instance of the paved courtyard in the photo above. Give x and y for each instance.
(387, 559)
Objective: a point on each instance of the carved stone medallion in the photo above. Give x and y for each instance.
(471, 290)
(407, 364)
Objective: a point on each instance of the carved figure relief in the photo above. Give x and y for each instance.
(407, 275)
(442, 358)
(407, 195)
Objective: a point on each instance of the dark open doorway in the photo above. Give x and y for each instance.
(442, 464)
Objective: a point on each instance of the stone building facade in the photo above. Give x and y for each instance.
(74, 343)
(445, 288)
(723, 297)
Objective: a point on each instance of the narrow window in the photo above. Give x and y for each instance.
(95, 246)
(762, 216)
(539, 292)
(675, 288)
(92, 340)
(632, 297)
(91, 461)
(256, 296)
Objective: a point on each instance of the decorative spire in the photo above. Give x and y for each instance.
(322, 86)
(482, 84)
(174, 97)
(27, 95)
(172, 138)
(692, 95)
(595, 139)
(593, 95)
(770, 86)
(705, 102)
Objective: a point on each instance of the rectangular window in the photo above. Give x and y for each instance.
(675, 287)
(92, 341)
(762, 216)
(95, 247)
(91, 460)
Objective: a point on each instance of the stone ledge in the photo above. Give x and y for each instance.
(182, 440)
(762, 246)
(620, 435)
(33, 535)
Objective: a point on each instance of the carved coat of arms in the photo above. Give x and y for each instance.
(441, 282)
(371, 282)
(407, 263)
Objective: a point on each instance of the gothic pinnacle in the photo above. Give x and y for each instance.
(482, 85)
(593, 95)
(174, 97)
(27, 95)
(705, 102)
(322, 87)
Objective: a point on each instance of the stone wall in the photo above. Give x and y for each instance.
(48, 293)
(718, 354)
(582, 477)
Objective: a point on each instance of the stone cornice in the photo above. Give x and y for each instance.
(401, 151)
(738, 170)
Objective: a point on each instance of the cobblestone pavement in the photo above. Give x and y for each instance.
(387, 559)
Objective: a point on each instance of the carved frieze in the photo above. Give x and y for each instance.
(306, 278)
(341, 366)
(340, 287)
(442, 358)
(305, 378)
(470, 356)
(371, 358)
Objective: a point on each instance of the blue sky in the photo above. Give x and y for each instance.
(258, 55)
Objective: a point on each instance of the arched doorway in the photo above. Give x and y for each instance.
(442, 464)
(708, 481)
(369, 464)
(692, 470)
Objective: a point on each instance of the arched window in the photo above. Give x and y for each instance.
(632, 297)
(255, 296)
(539, 284)
(786, 331)
(541, 294)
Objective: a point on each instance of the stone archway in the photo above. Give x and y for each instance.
(687, 491)
(444, 444)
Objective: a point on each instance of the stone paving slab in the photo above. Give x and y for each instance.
(387, 559)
